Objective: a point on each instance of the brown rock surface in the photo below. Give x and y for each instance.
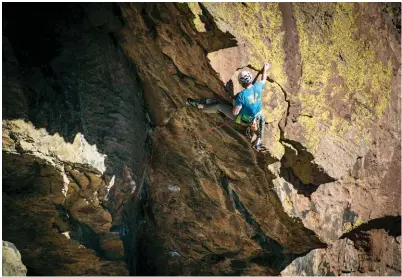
(71, 98)
(81, 179)
(374, 252)
(50, 238)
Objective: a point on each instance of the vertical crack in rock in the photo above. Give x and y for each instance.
(285, 94)
(138, 222)
(145, 253)
(272, 254)
(291, 47)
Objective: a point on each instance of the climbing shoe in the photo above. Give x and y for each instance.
(257, 144)
(195, 102)
(259, 147)
(249, 133)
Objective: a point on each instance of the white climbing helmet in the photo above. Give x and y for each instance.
(245, 77)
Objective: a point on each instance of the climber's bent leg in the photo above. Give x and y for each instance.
(218, 107)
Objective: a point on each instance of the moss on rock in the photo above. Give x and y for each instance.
(259, 27)
(331, 45)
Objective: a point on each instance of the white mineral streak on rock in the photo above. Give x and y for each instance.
(66, 181)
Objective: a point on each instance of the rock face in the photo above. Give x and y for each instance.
(12, 265)
(361, 252)
(90, 189)
(73, 122)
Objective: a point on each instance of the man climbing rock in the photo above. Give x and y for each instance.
(247, 106)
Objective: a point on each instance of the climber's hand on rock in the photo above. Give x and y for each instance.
(266, 66)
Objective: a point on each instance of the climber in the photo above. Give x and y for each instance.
(247, 106)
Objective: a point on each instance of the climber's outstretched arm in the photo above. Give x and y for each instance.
(264, 74)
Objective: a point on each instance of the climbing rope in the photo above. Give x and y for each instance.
(208, 130)
(213, 129)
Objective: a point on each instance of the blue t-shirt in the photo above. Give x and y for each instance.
(250, 101)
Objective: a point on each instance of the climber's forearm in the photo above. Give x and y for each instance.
(264, 75)
(264, 72)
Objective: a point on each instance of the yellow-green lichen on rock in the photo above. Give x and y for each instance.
(274, 103)
(196, 10)
(259, 33)
(274, 108)
(332, 46)
(349, 226)
(259, 27)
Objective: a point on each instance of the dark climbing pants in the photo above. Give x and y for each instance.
(214, 106)
(260, 124)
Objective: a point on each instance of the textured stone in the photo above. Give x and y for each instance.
(313, 182)
(112, 246)
(374, 253)
(335, 148)
(101, 71)
(22, 137)
(72, 98)
(12, 264)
